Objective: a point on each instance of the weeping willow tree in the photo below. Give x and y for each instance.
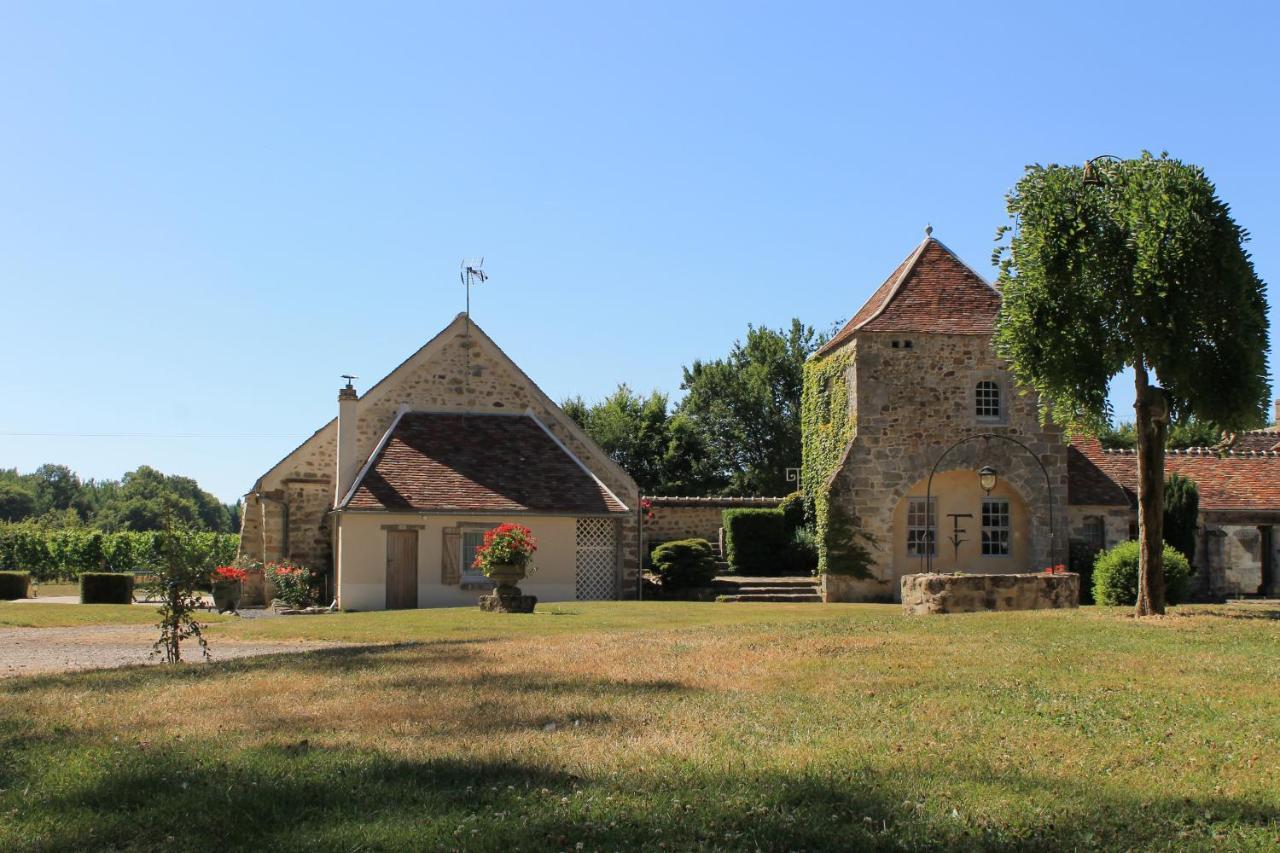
(1132, 264)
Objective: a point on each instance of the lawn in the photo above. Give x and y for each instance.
(676, 725)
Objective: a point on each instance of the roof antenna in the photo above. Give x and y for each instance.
(350, 377)
(472, 273)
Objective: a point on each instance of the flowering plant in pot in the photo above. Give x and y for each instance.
(506, 554)
(227, 582)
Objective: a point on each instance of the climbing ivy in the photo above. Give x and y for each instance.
(826, 428)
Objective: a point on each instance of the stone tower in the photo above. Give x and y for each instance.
(912, 374)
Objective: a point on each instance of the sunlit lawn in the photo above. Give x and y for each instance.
(717, 726)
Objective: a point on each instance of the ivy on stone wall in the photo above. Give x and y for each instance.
(826, 429)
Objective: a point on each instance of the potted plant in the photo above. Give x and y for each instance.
(228, 586)
(505, 558)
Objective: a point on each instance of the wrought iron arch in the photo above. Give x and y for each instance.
(930, 516)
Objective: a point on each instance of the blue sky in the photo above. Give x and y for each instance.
(211, 211)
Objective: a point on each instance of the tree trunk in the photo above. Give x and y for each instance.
(1151, 424)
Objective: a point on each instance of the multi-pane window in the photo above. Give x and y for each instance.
(920, 524)
(995, 527)
(1095, 532)
(986, 396)
(472, 539)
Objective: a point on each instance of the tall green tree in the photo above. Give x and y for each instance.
(1138, 264)
(662, 452)
(1181, 514)
(746, 406)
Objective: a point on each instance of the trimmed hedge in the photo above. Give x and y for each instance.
(1115, 575)
(795, 510)
(15, 585)
(756, 540)
(106, 588)
(63, 555)
(684, 563)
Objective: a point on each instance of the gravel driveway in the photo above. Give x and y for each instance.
(26, 651)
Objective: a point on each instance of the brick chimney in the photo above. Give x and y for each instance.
(348, 463)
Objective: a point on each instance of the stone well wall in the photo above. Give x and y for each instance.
(934, 593)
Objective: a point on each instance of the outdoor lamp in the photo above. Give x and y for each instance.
(987, 478)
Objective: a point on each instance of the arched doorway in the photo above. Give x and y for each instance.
(995, 537)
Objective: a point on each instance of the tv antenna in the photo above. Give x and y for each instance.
(472, 273)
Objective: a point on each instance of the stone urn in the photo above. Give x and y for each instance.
(226, 595)
(506, 596)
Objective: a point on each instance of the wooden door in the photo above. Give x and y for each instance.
(402, 569)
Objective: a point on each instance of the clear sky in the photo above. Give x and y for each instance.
(210, 211)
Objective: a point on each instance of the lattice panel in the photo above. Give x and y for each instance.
(596, 559)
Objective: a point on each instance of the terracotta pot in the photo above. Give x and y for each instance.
(226, 595)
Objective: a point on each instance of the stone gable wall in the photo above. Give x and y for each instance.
(460, 373)
(910, 405)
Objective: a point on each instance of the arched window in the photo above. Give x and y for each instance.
(986, 401)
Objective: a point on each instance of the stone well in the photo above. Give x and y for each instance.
(962, 593)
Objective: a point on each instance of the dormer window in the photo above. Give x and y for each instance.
(986, 398)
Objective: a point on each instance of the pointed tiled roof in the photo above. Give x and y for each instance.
(931, 291)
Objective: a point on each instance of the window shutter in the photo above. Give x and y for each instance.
(450, 555)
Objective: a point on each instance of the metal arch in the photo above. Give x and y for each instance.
(928, 492)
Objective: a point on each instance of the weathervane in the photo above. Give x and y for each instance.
(472, 272)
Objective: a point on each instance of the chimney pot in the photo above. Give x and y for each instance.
(1277, 413)
(347, 463)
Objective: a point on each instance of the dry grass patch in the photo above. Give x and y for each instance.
(693, 726)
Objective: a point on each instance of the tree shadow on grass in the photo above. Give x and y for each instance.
(299, 797)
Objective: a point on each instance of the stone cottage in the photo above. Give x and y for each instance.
(1238, 535)
(390, 499)
(888, 396)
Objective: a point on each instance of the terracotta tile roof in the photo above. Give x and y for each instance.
(477, 463)
(931, 291)
(1238, 480)
(1088, 480)
(1257, 439)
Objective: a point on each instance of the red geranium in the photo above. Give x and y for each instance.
(1059, 569)
(229, 573)
(506, 544)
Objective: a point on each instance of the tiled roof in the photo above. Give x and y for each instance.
(1257, 439)
(931, 291)
(1088, 479)
(477, 463)
(1248, 480)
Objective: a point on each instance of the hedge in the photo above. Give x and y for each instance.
(106, 588)
(63, 555)
(1115, 575)
(755, 540)
(15, 585)
(684, 563)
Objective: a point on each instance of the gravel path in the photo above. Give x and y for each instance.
(26, 651)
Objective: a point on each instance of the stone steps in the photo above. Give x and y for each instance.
(778, 597)
(778, 589)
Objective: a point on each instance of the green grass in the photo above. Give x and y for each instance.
(703, 726)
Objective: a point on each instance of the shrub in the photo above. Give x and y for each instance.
(15, 585)
(1080, 558)
(62, 554)
(1115, 575)
(1181, 513)
(292, 583)
(801, 556)
(755, 540)
(794, 509)
(684, 563)
(106, 588)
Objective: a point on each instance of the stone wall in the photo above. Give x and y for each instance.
(910, 404)
(933, 593)
(461, 370)
(694, 518)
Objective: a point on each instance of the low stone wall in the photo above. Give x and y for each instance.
(694, 518)
(934, 593)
